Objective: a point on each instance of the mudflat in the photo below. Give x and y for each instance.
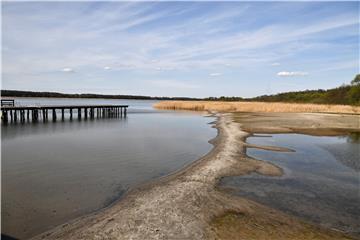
(308, 123)
(188, 205)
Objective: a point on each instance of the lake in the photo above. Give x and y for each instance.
(56, 171)
(321, 183)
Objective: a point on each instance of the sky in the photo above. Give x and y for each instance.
(193, 49)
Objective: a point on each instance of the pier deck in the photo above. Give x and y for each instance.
(36, 113)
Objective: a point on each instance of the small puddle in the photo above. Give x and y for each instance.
(321, 183)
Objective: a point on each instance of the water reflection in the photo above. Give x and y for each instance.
(21, 130)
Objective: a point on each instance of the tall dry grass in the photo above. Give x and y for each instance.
(256, 107)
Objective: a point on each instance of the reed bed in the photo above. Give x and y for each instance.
(256, 107)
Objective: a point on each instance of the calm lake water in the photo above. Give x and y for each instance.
(56, 171)
(321, 182)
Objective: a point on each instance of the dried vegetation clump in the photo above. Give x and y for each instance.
(256, 107)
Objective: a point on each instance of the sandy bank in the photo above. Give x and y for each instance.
(187, 204)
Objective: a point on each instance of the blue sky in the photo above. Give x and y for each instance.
(194, 49)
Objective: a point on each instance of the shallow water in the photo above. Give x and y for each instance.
(56, 171)
(321, 183)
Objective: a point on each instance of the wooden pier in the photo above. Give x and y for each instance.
(35, 114)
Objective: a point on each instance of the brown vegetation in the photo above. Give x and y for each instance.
(255, 107)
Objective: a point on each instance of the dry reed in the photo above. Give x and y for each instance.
(256, 107)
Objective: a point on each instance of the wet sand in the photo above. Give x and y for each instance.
(188, 205)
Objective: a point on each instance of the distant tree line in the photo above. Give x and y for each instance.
(346, 94)
(223, 98)
(16, 93)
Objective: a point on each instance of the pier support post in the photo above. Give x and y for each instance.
(4, 116)
(22, 115)
(62, 115)
(79, 113)
(44, 115)
(35, 115)
(6, 119)
(28, 115)
(71, 114)
(54, 114)
(15, 115)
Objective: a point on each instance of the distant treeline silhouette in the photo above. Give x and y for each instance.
(16, 93)
(346, 94)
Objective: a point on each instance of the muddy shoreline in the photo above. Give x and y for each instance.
(187, 204)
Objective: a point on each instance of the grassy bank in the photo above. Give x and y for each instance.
(255, 107)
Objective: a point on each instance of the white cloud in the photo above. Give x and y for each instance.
(107, 68)
(275, 64)
(68, 70)
(291, 74)
(215, 74)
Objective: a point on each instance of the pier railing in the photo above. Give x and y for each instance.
(37, 113)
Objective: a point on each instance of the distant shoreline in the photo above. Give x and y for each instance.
(17, 93)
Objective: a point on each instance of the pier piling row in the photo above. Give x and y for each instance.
(21, 114)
